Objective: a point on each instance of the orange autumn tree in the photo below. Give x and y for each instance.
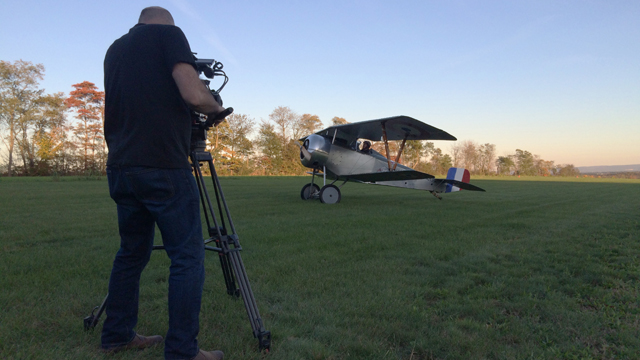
(88, 104)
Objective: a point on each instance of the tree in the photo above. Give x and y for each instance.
(286, 121)
(456, 154)
(505, 165)
(308, 124)
(88, 104)
(234, 136)
(49, 137)
(271, 149)
(543, 167)
(469, 155)
(440, 162)
(415, 151)
(19, 95)
(338, 121)
(478, 159)
(568, 170)
(486, 158)
(525, 162)
(283, 127)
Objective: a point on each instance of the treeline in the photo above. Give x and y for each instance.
(35, 130)
(58, 134)
(525, 163)
(615, 175)
(275, 150)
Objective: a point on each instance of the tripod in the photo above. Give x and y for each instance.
(227, 245)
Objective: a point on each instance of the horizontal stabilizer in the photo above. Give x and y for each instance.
(461, 185)
(388, 176)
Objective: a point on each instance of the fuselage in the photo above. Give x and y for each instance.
(338, 161)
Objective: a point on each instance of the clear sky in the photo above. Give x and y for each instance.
(560, 79)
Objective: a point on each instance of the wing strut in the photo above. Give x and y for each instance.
(386, 148)
(386, 145)
(400, 151)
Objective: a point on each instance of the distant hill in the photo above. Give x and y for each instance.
(608, 169)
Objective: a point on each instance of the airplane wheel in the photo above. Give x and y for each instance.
(308, 191)
(330, 194)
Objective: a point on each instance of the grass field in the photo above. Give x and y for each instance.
(531, 269)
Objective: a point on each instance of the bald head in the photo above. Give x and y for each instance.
(155, 15)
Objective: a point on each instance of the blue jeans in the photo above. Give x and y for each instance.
(168, 198)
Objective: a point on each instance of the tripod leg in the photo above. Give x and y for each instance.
(214, 229)
(91, 321)
(259, 332)
(233, 254)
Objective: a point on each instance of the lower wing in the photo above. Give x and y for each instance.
(387, 176)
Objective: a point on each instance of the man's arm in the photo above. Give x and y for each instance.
(193, 91)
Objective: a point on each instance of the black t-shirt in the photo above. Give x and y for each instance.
(147, 123)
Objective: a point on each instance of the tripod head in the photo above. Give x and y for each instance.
(200, 126)
(209, 68)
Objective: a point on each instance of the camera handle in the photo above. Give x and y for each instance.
(219, 118)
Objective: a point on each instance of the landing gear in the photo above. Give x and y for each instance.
(309, 191)
(330, 194)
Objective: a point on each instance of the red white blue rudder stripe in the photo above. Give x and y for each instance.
(458, 174)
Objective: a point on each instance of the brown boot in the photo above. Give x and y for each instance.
(139, 342)
(209, 355)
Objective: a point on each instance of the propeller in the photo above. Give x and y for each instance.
(303, 150)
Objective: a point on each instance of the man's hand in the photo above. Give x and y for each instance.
(217, 118)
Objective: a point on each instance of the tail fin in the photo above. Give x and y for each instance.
(458, 175)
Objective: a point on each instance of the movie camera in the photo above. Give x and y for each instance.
(209, 68)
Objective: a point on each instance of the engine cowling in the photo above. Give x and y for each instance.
(318, 149)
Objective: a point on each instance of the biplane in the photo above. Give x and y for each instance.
(335, 153)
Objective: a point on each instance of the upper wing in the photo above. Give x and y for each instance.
(388, 176)
(397, 128)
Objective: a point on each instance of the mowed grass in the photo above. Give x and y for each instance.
(531, 269)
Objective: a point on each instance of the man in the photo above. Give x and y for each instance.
(150, 85)
(366, 147)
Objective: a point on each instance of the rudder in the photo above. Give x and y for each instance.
(458, 174)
